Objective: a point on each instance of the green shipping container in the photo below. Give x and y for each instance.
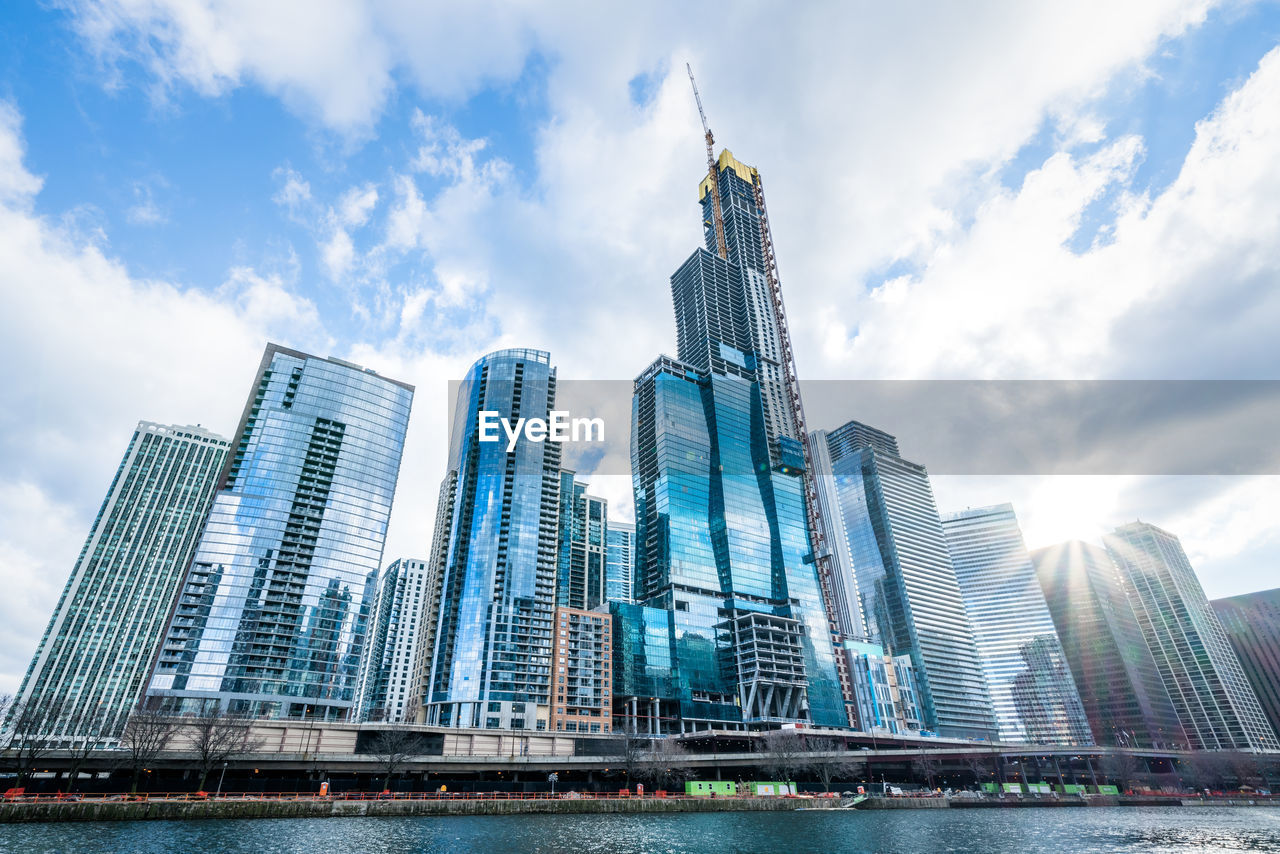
(772, 789)
(705, 788)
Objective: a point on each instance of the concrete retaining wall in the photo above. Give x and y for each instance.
(188, 810)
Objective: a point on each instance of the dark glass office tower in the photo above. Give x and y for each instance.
(271, 616)
(92, 664)
(580, 564)
(1204, 679)
(1252, 622)
(721, 532)
(497, 543)
(892, 562)
(1123, 695)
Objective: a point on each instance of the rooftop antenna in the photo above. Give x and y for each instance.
(717, 217)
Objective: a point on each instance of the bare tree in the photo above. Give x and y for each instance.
(1123, 768)
(630, 748)
(91, 724)
(784, 755)
(829, 768)
(925, 766)
(392, 747)
(30, 736)
(665, 764)
(217, 736)
(979, 768)
(1245, 768)
(147, 733)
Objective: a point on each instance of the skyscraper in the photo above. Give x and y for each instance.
(1252, 623)
(272, 612)
(619, 557)
(1032, 693)
(1214, 700)
(92, 663)
(1123, 695)
(391, 644)
(725, 322)
(490, 665)
(892, 563)
(717, 467)
(580, 564)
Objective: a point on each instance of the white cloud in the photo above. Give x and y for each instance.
(325, 58)
(42, 537)
(92, 350)
(356, 204)
(17, 186)
(295, 191)
(338, 254)
(145, 210)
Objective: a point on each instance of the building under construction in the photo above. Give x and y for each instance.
(731, 629)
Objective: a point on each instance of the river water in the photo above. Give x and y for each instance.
(1093, 829)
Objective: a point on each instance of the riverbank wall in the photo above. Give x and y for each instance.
(186, 810)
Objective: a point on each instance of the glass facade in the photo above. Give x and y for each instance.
(95, 656)
(386, 672)
(580, 563)
(721, 542)
(272, 614)
(1123, 695)
(1201, 672)
(1032, 693)
(1252, 623)
(496, 591)
(619, 560)
(905, 582)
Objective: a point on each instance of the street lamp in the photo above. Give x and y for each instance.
(221, 777)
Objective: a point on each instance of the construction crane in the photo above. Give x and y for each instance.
(813, 509)
(717, 216)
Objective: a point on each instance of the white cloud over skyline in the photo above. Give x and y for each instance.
(883, 135)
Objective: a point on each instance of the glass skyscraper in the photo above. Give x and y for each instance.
(497, 542)
(91, 666)
(1252, 623)
(1032, 693)
(272, 614)
(721, 533)
(580, 564)
(619, 558)
(1123, 695)
(391, 644)
(1214, 700)
(892, 562)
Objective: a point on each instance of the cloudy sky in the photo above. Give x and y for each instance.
(958, 191)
